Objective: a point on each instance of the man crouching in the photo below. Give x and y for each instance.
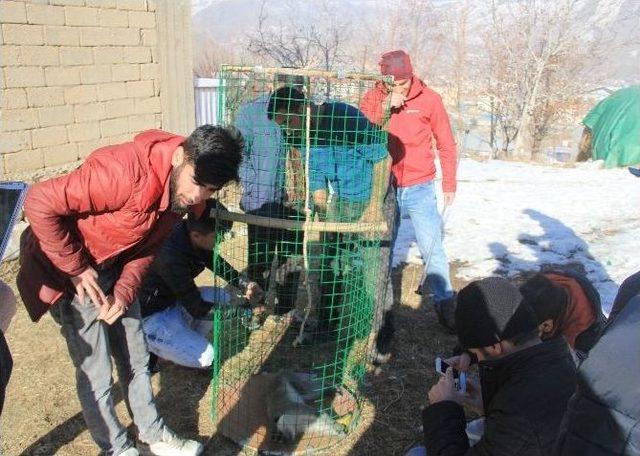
(525, 384)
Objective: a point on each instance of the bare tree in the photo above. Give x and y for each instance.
(299, 43)
(541, 55)
(209, 56)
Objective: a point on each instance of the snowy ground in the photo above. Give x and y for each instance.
(513, 217)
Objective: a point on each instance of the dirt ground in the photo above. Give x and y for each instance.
(42, 414)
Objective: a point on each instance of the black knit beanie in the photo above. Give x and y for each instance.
(489, 311)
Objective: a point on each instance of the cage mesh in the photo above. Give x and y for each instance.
(307, 218)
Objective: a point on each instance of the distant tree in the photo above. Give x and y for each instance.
(540, 56)
(299, 42)
(209, 56)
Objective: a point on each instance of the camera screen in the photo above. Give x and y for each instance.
(446, 366)
(11, 195)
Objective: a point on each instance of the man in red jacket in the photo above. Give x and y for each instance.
(93, 234)
(417, 117)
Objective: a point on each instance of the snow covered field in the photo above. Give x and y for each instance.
(513, 217)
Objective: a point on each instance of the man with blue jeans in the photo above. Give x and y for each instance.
(417, 117)
(176, 314)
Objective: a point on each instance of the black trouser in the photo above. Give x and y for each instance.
(383, 317)
(264, 243)
(6, 364)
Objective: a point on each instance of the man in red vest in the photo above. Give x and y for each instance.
(417, 117)
(92, 236)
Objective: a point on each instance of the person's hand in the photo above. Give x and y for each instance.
(473, 397)
(449, 197)
(445, 390)
(395, 100)
(461, 362)
(113, 310)
(253, 293)
(86, 284)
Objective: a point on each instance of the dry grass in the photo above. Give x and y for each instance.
(42, 414)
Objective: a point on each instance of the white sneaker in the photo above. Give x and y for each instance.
(133, 451)
(172, 445)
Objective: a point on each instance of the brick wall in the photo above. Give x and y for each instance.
(74, 75)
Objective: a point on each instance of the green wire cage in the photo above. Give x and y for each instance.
(306, 225)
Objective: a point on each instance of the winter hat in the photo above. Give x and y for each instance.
(396, 64)
(491, 310)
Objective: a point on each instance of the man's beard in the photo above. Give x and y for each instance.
(173, 191)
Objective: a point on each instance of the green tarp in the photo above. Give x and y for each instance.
(615, 128)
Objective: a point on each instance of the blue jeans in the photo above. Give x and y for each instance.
(420, 204)
(176, 336)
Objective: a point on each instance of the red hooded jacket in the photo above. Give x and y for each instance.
(115, 206)
(412, 129)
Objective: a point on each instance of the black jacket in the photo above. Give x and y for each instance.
(525, 395)
(603, 417)
(171, 275)
(6, 365)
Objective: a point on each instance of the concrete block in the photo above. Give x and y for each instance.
(15, 141)
(27, 76)
(140, 89)
(125, 72)
(13, 12)
(86, 131)
(76, 56)
(80, 94)
(119, 108)
(80, 15)
(45, 14)
(138, 5)
(62, 76)
(108, 54)
(25, 160)
(137, 54)
(49, 136)
(147, 105)
(95, 74)
(23, 34)
(142, 122)
(88, 112)
(61, 36)
(114, 127)
(45, 96)
(13, 99)
(113, 18)
(39, 55)
(59, 155)
(112, 91)
(142, 19)
(55, 115)
(18, 119)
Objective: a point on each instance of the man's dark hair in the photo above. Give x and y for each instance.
(206, 224)
(216, 153)
(547, 300)
(285, 98)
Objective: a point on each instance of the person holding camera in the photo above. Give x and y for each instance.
(524, 385)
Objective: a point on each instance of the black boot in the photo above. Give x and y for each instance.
(445, 310)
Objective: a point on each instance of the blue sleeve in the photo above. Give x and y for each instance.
(320, 161)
